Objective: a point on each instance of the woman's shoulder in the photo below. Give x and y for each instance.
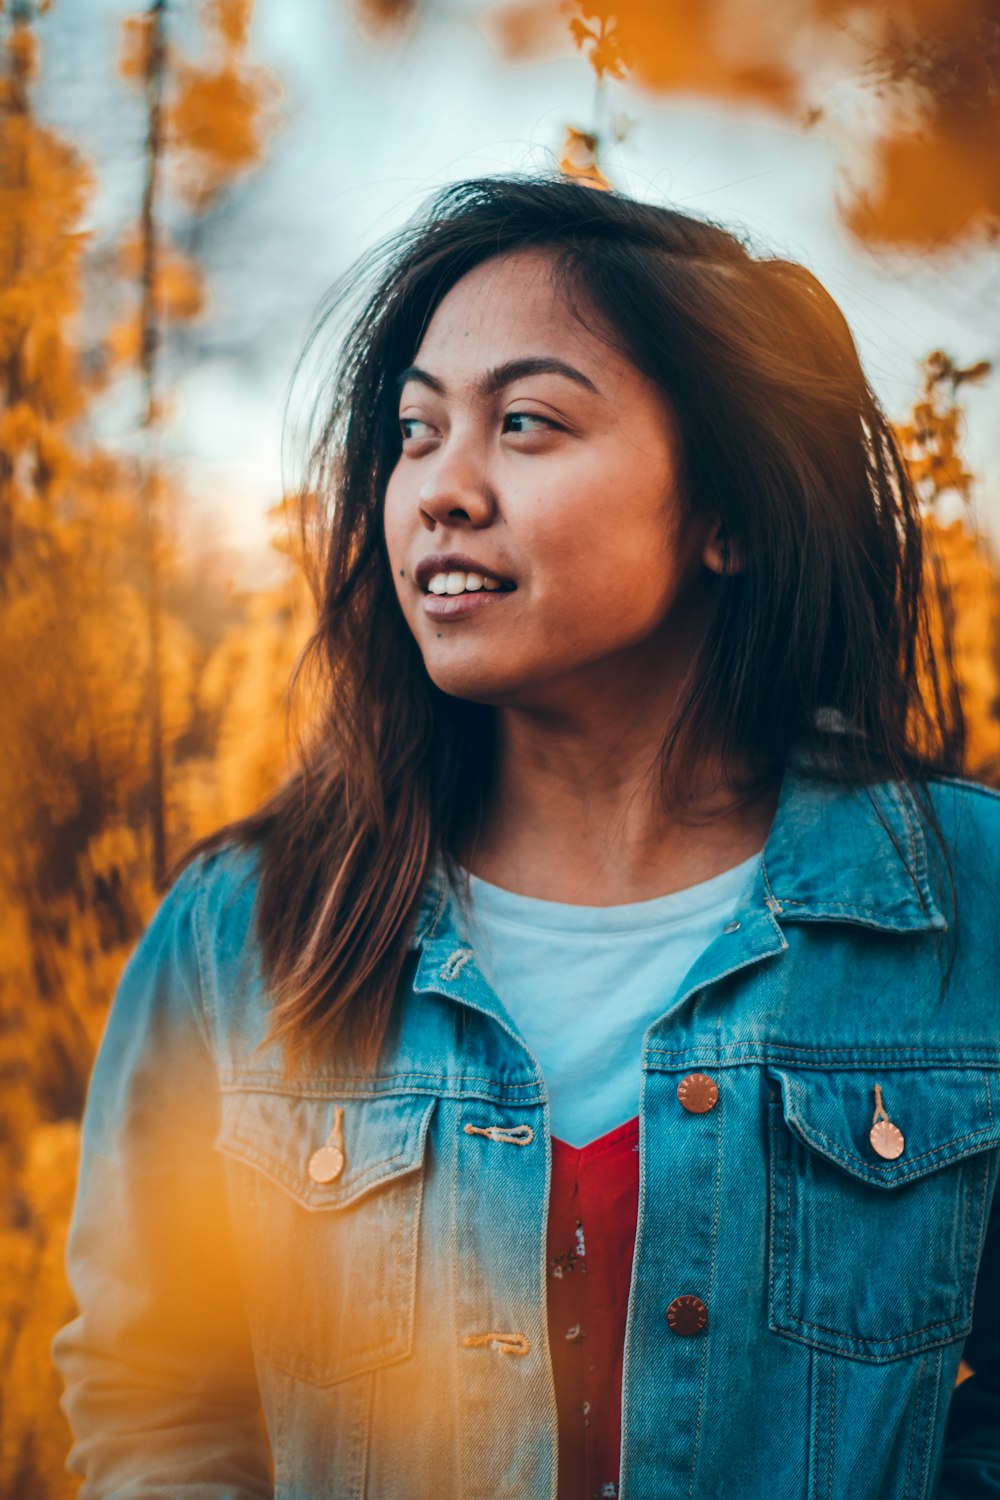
(965, 787)
(208, 900)
(968, 815)
(216, 891)
(199, 957)
(964, 806)
(221, 881)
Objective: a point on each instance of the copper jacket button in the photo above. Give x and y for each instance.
(687, 1315)
(698, 1093)
(326, 1164)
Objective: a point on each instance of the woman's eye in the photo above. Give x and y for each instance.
(528, 416)
(406, 423)
(521, 419)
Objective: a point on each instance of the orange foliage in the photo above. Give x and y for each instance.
(928, 188)
(223, 110)
(930, 438)
(972, 577)
(136, 40)
(44, 186)
(75, 886)
(215, 116)
(230, 20)
(579, 159)
(594, 31)
(218, 113)
(180, 290)
(929, 441)
(69, 767)
(384, 18)
(932, 65)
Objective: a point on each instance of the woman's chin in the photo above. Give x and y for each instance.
(476, 682)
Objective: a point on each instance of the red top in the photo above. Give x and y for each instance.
(592, 1217)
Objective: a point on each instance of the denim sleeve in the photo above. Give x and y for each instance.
(971, 1467)
(160, 1388)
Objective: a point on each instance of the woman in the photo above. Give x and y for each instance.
(582, 1077)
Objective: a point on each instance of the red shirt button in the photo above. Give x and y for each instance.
(687, 1315)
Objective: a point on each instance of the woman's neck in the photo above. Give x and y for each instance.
(578, 818)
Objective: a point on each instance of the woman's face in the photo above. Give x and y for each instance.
(533, 450)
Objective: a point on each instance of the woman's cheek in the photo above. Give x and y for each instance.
(396, 550)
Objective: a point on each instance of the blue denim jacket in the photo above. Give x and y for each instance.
(249, 1330)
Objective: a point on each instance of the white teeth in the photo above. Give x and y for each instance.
(462, 583)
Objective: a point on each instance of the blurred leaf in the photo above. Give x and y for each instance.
(578, 159)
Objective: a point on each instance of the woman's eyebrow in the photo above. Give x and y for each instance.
(494, 380)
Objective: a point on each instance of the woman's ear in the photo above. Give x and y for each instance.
(721, 554)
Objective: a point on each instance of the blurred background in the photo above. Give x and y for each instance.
(180, 184)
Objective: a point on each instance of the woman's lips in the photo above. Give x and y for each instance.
(456, 606)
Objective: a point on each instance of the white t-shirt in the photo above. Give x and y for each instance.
(584, 983)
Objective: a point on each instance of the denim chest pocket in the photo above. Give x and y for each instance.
(871, 1256)
(329, 1261)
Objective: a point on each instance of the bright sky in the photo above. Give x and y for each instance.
(371, 131)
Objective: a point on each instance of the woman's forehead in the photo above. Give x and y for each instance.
(512, 307)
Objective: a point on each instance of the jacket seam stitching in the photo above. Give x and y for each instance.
(930, 1426)
(862, 1341)
(773, 1050)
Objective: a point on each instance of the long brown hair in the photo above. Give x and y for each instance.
(821, 640)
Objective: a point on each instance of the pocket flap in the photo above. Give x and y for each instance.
(384, 1137)
(944, 1114)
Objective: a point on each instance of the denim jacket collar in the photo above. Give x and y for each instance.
(850, 854)
(827, 857)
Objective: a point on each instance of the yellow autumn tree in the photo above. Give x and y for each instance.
(244, 698)
(207, 125)
(71, 886)
(931, 443)
(76, 880)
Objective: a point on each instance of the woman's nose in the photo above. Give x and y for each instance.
(456, 487)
